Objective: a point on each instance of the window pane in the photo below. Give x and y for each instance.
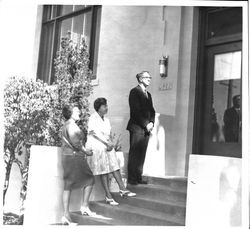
(219, 25)
(65, 27)
(45, 57)
(227, 66)
(79, 26)
(96, 46)
(79, 7)
(87, 22)
(49, 12)
(226, 107)
(66, 9)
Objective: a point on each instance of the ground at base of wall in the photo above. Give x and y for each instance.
(12, 219)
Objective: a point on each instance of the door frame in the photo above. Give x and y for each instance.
(203, 44)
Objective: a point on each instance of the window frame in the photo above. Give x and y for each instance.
(95, 29)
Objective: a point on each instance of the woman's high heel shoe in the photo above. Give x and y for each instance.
(86, 211)
(127, 193)
(111, 201)
(66, 221)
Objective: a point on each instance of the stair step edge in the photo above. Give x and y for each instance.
(146, 198)
(99, 220)
(157, 187)
(141, 211)
(172, 178)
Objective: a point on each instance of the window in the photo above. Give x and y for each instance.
(219, 23)
(58, 20)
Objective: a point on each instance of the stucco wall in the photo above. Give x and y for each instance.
(132, 39)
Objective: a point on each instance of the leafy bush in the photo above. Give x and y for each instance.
(27, 105)
(12, 219)
(32, 108)
(73, 83)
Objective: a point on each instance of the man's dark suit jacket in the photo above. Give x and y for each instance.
(141, 111)
(231, 125)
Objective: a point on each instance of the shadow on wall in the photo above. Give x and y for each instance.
(171, 143)
(155, 157)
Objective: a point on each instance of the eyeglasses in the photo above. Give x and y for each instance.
(147, 77)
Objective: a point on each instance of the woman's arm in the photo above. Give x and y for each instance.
(93, 127)
(75, 137)
(109, 145)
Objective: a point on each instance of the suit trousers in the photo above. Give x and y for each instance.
(137, 153)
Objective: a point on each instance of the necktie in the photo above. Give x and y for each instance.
(146, 94)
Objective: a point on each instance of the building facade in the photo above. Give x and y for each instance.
(203, 71)
(124, 40)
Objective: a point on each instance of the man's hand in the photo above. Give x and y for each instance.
(150, 127)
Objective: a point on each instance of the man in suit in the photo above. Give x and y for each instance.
(232, 119)
(141, 123)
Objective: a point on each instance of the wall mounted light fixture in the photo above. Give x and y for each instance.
(164, 66)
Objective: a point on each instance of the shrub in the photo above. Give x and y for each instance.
(72, 81)
(32, 108)
(27, 105)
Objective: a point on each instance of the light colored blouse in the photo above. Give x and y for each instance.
(101, 127)
(102, 161)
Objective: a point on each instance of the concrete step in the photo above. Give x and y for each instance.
(161, 202)
(173, 182)
(159, 193)
(177, 209)
(99, 219)
(131, 215)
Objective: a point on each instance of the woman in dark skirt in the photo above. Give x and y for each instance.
(77, 173)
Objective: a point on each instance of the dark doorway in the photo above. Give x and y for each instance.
(217, 129)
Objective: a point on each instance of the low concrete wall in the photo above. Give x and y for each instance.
(43, 203)
(214, 192)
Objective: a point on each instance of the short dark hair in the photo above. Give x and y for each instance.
(99, 102)
(139, 75)
(67, 111)
(235, 98)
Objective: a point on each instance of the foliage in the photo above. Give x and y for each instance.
(12, 219)
(26, 111)
(73, 81)
(116, 141)
(27, 105)
(32, 108)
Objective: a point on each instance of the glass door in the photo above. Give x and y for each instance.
(221, 111)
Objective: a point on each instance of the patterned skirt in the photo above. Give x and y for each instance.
(102, 161)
